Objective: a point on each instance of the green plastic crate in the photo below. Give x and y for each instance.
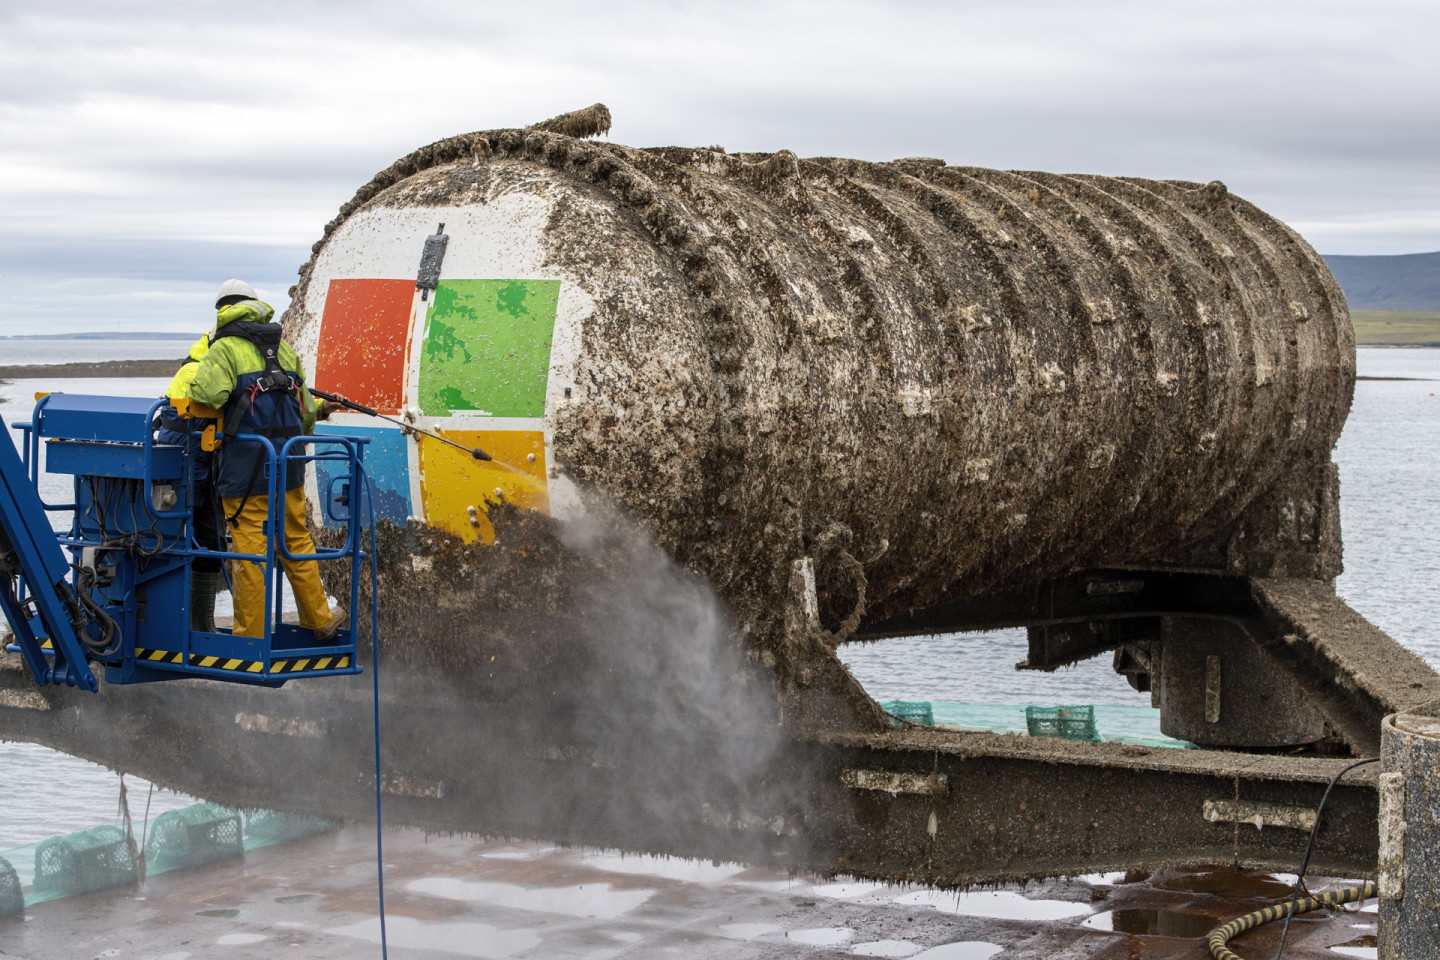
(94, 859)
(12, 898)
(200, 833)
(1067, 723)
(915, 711)
(265, 827)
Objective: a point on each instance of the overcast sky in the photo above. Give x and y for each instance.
(150, 150)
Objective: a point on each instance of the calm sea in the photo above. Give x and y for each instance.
(1388, 464)
(35, 352)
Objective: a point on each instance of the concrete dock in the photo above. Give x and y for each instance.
(456, 897)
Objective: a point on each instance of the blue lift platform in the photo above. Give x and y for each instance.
(108, 583)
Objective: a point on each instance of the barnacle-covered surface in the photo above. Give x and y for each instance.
(917, 380)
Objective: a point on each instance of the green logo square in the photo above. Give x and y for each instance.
(487, 348)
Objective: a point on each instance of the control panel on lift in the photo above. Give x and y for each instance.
(101, 578)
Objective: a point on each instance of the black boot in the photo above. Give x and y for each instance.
(204, 584)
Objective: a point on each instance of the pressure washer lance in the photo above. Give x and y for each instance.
(476, 452)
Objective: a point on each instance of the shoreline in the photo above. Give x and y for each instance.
(91, 369)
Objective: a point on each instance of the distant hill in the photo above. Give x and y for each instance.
(1407, 282)
(110, 335)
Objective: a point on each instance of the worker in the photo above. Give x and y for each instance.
(253, 378)
(205, 579)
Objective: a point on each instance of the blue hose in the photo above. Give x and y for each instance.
(375, 686)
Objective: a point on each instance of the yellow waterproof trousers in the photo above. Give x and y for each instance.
(248, 579)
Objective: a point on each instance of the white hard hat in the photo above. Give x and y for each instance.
(235, 288)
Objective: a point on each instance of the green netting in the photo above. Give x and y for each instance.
(12, 897)
(99, 858)
(202, 833)
(916, 711)
(264, 827)
(94, 859)
(1069, 723)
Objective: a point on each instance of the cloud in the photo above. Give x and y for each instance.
(141, 130)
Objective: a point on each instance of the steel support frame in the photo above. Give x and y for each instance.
(918, 805)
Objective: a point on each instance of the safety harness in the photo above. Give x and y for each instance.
(274, 379)
(266, 338)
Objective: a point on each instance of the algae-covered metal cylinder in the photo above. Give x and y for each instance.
(929, 378)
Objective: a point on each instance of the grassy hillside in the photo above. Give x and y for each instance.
(1409, 282)
(1396, 328)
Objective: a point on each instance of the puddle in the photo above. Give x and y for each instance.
(464, 939)
(1108, 879)
(1238, 884)
(671, 868)
(239, 939)
(1369, 952)
(821, 936)
(772, 886)
(1154, 923)
(297, 898)
(588, 900)
(996, 904)
(222, 914)
(886, 948)
(962, 950)
(844, 891)
(748, 931)
(517, 853)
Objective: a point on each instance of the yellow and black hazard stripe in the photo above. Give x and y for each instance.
(310, 663)
(237, 665)
(160, 656)
(234, 664)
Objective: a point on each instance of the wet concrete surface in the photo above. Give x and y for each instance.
(469, 898)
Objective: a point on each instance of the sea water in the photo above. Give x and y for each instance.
(18, 352)
(1388, 462)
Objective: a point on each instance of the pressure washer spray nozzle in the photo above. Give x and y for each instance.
(407, 428)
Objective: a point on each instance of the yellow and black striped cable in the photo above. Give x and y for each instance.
(1220, 937)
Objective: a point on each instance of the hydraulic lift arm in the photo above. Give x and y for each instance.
(28, 549)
